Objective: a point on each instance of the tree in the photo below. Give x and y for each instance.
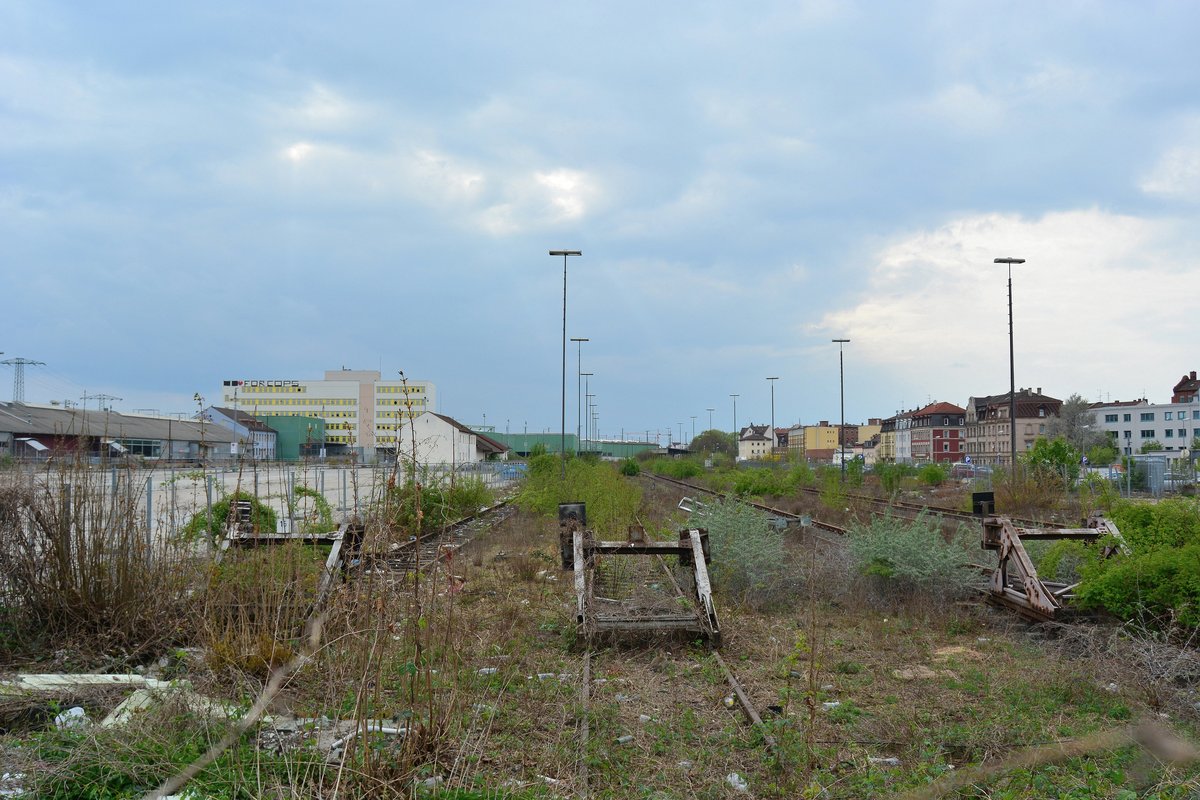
(714, 441)
(1054, 457)
(1076, 424)
(1152, 446)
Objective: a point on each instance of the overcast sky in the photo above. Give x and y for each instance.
(191, 192)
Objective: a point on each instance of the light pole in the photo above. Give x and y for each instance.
(1012, 373)
(842, 393)
(736, 434)
(693, 431)
(680, 424)
(772, 380)
(562, 441)
(578, 387)
(710, 410)
(587, 405)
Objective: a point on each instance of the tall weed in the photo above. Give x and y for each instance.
(749, 563)
(911, 557)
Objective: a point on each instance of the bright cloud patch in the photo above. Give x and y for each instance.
(1088, 305)
(1177, 174)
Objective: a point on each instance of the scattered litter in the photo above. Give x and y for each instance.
(729, 701)
(1112, 687)
(889, 761)
(831, 705)
(486, 671)
(793, 674)
(626, 739)
(541, 676)
(981, 640)
(737, 782)
(622, 698)
(685, 764)
(644, 718)
(71, 719)
(829, 687)
(777, 710)
(432, 782)
(550, 781)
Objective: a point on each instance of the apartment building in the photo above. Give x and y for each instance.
(937, 433)
(988, 432)
(361, 411)
(1134, 424)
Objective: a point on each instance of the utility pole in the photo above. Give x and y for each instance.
(19, 365)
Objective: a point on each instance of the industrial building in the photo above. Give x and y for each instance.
(361, 411)
(38, 432)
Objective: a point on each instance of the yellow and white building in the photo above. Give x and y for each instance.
(360, 410)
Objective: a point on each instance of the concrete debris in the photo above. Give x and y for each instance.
(72, 719)
(1112, 687)
(626, 739)
(644, 718)
(918, 672)
(737, 782)
(685, 765)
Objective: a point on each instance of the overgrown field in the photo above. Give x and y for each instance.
(876, 670)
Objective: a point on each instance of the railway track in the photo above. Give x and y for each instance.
(590, 685)
(425, 551)
(903, 505)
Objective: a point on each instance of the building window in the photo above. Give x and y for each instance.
(1196, 415)
(1127, 418)
(1147, 434)
(1147, 416)
(1110, 417)
(1183, 433)
(1170, 434)
(1166, 415)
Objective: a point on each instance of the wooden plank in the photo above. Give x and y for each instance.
(580, 577)
(703, 585)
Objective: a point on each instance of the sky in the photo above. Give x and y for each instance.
(193, 192)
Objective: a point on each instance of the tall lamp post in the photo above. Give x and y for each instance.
(736, 436)
(1012, 373)
(587, 409)
(772, 380)
(578, 388)
(710, 410)
(842, 394)
(693, 431)
(562, 441)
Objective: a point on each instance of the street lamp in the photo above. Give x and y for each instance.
(842, 393)
(578, 385)
(693, 430)
(772, 380)
(562, 441)
(710, 410)
(736, 434)
(1012, 373)
(587, 405)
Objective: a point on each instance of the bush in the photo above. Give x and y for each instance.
(1163, 583)
(934, 474)
(612, 502)
(442, 502)
(630, 467)
(749, 565)
(213, 526)
(1147, 527)
(891, 476)
(677, 468)
(908, 557)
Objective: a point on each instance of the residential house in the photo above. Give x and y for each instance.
(754, 442)
(254, 439)
(987, 424)
(937, 433)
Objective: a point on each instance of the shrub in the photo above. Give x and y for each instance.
(262, 518)
(749, 565)
(630, 467)
(1149, 526)
(912, 556)
(891, 476)
(1162, 583)
(612, 502)
(442, 501)
(934, 474)
(677, 468)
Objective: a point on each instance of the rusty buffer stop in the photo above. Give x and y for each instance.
(627, 588)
